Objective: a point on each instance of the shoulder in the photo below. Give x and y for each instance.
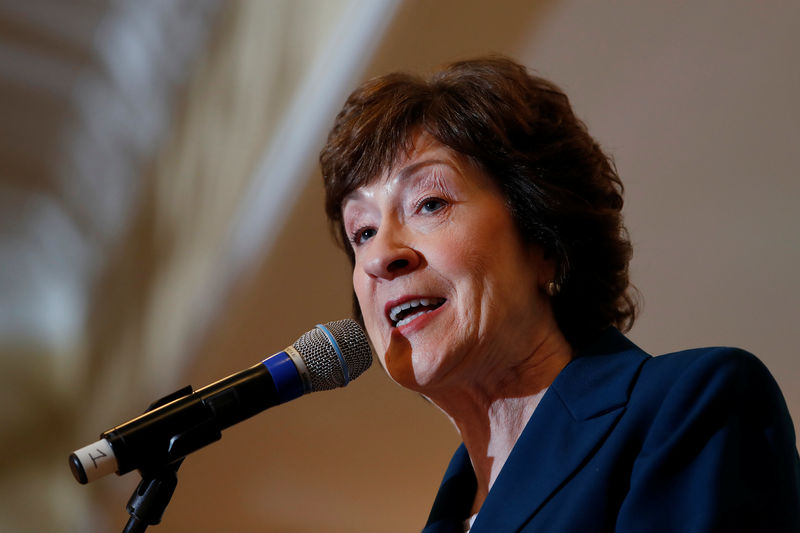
(703, 373)
(695, 393)
(712, 431)
(713, 359)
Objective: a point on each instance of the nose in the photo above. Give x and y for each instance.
(390, 255)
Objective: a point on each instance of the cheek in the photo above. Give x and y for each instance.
(454, 249)
(487, 267)
(362, 287)
(369, 312)
(465, 260)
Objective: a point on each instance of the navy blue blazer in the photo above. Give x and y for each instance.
(694, 441)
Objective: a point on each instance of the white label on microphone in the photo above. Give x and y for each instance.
(97, 459)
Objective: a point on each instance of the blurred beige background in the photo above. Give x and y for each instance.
(161, 224)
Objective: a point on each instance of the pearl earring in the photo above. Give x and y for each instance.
(552, 288)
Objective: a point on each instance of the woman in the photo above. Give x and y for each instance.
(490, 268)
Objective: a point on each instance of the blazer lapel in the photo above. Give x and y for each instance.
(571, 421)
(454, 499)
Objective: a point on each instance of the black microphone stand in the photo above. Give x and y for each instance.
(151, 497)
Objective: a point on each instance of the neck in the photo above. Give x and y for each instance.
(490, 414)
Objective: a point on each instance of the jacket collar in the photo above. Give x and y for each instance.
(576, 413)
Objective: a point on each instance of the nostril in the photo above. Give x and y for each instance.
(397, 264)
(390, 260)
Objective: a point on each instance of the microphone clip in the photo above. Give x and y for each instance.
(149, 500)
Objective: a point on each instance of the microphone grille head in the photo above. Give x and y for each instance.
(322, 359)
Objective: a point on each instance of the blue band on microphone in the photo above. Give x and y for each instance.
(345, 371)
(285, 376)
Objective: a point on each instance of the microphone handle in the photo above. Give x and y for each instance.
(190, 421)
(173, 431)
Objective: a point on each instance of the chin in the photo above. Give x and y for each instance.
(417, 376)
(415, 364)
(401, 369)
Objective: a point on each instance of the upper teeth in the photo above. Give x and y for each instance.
(395, 311)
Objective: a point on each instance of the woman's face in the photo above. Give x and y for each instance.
(446, 287)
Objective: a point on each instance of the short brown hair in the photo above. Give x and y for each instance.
(561, 189)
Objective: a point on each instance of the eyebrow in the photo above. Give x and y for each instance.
(414, 167)
(403, 175)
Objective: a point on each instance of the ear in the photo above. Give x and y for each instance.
(546, 266)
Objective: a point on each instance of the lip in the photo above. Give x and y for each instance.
(418, 321)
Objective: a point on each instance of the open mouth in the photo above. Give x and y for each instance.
(407, 311)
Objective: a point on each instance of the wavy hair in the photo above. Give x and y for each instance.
(563, 192)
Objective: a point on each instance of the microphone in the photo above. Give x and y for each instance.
(328, 356)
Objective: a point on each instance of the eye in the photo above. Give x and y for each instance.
(361, 235)
(431, 205)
